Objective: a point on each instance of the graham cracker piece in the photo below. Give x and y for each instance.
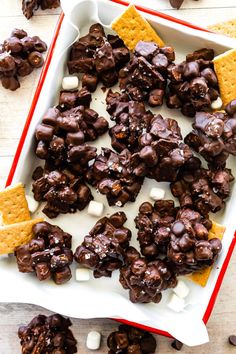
(132, 28)
(12, 236)
(201, 277)
(228, 28)
(13, 205)
(225, 68)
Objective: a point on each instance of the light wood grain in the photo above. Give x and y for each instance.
(13, 111)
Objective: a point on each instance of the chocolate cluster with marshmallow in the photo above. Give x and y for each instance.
(98, 57)
(19, 56)
(153, 223)
(190, 248)
(118, 176)
(63, 191)
(50, 334)
(131, 340)
(146, 279)
(214, 135)
(62, 136)
(203, 189)
(131, 121)
(144, 78)
(103, 250)
(193, 84)
(48, 254)
(29, 6)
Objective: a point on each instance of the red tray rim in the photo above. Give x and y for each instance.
(42, 78)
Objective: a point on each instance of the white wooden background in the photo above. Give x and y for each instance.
(13, 111)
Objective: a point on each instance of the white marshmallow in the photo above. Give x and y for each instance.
(157, 193)
(95, 208)
(181, 289)
(32, 203)
(176, 303)
(70, 83)
(93, 340)
(217, 104)
(82, 274)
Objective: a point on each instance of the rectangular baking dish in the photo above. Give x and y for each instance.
(105, 297)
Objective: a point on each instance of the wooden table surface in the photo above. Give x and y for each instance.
(13, 111)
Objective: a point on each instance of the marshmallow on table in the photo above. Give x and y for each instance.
(157, 193)
(217, 104)
(181, 289)
(93, 340)
(82, 274)
(32, 203)
(95, 208)
(70, 83)
(176, 303)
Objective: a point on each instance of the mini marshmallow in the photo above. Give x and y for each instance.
(95, 208)
(157, 193)
(70, 83)
(181, 289)
(93, 340)
(32, 203)
(217, 104)
(176, 303)
(82, 274)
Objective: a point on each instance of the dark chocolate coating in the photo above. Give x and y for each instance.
(48, 254)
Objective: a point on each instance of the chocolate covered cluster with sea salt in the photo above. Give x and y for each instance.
(214, 135)
(131, 121)
(48, 254)
(29, 6)
(189, 248)
(62, 136)
(162, 149)
(103, 250)
(145, 279)
(203, 189)
(131, 340)
(19, 56)
(193, 84)
(154, 227)
(144, 78)
(118, 176)
(98, 57)
(63, 191)
(47, 335)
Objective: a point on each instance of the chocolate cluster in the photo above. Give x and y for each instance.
(214, 135)
(176, 4)
(19, 56)
(131, 121)
(118, 176)
(50, 334)
(154, 227)
(189, 248)
(131, 340)
(156, 141)
(29, 6)
(203, 189)
(144, 78)
(162, 149)
(48, 254)
(98, 57)
(193, 83)
(63, 191)
(103, 250)
(62, 135)
(146, 279)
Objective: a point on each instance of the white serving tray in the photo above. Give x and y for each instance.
(105, 297)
